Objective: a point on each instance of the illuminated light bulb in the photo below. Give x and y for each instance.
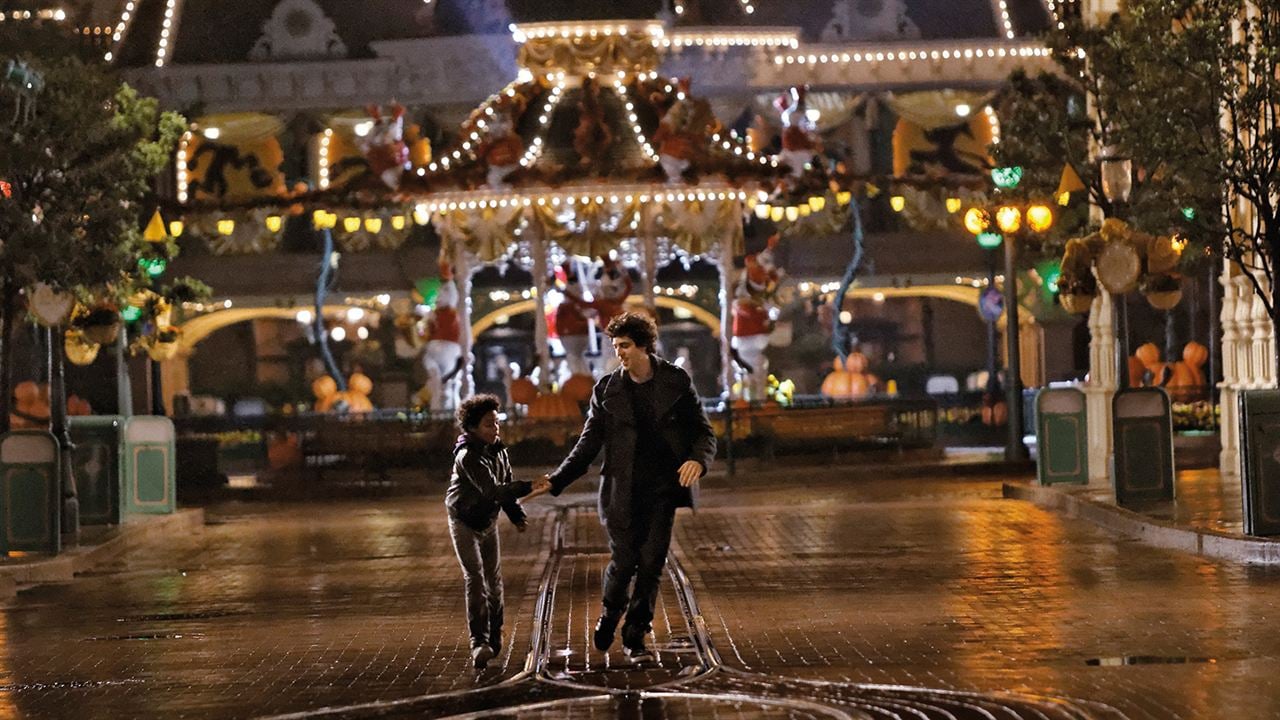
(897, 202)
(373, 225)
(776, 213)
(805, 210)
(176, 227)
(763, 210)
(338, 334)
(1039, 217)
(817, 202)
(1009, 218)
(226, 226)
(351, 224)
(362, 332)
(421, 216)
(304, 317)
(355, 315)
(793, 213)
(1064, 198)
(844, 197)
(397, 222)
(953, 205)
(274, 223)
(977, 220)
(989, 240)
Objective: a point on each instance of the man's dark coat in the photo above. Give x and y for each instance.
(611, 425)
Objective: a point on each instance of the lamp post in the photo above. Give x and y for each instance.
(1010, 219)
(1117, 183)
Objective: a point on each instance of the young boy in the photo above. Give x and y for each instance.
(480, 484)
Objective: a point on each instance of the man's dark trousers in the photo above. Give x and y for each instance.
(638, 551)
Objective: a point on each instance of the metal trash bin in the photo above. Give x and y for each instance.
(148, 465)
(1062, 437)
(1260, 460)
(1143, 463)
(96, 466)
(30, 492)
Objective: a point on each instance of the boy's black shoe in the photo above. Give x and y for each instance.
(605, 628)
(633, 645)
(480, 656)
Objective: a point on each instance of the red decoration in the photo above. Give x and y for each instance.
(6, 189)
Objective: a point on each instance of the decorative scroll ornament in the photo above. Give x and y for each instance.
(697, 226)
(298, 30)
(592, 228)
(487, 233)
(586, 48)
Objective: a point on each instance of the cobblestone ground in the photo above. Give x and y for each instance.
(818, 597)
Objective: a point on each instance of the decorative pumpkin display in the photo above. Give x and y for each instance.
(32, 407)
(523, 391)
(356, 396)
(578, 388)
(1188, 383)
(554, 406)
(849, 380)
(994, 413)
(1146, 359)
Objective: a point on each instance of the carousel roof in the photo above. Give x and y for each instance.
(164, 32)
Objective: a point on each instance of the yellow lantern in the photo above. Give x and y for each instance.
(176, 227)
(397, 222)
(844, 197)
(793, 213)
(226, 226)
(953, 205)
(776, 213)
(897, 202)
(805, 210)
(1008, 218)
(351, 224)
(1039, 217)
(373, 225)
(274, 223)
(817, 202)
(1064, 198)
(977, 220)
(763, 210)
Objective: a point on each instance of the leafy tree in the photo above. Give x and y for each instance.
(78, 153)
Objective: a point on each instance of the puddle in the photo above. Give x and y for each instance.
(1146, 660)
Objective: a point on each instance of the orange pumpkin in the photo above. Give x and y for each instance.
(856, 362)
(1148, 354)
(578, 388)
(360, 383)
(553, 406)
(848, 380)
(836, 384)
(995, 413)
(1188, 381)
(1195, 354)
(523, 391)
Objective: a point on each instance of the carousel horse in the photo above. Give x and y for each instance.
(572, 320)
(384, 147)
(443, 355)
(752, 323)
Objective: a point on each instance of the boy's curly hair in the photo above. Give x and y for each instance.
(472, 410)
(640, 328)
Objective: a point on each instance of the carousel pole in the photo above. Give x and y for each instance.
(538, 248)
(464, 269)
(649, 245)
(728, 246)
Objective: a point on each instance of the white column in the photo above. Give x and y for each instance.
(1101, 387)
(1229, 423)
(649, 250)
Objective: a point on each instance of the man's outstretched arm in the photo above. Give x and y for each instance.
(586, 449)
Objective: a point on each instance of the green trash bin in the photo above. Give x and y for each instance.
(96, 467)
(30, 496)
(1260, 460)
(1143, 461)
(148, 465)
(1062, 438)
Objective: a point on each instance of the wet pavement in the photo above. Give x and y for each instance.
(796, 593)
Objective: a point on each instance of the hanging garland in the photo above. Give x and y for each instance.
(488, 233)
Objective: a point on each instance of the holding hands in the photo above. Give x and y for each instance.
(541, 486)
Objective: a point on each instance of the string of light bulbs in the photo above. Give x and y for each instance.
(122, 28)
(634, 120)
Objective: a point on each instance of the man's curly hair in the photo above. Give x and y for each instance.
(640, 328)
(472, 410)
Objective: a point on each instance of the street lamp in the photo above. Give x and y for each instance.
(1117, 183)
(1009, 219)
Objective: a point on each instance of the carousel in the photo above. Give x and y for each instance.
(591, 172)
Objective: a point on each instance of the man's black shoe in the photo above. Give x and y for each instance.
(605, 628)
(633, 645)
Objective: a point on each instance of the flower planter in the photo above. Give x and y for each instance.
(101, 334)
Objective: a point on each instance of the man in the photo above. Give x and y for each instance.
(658, 443)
